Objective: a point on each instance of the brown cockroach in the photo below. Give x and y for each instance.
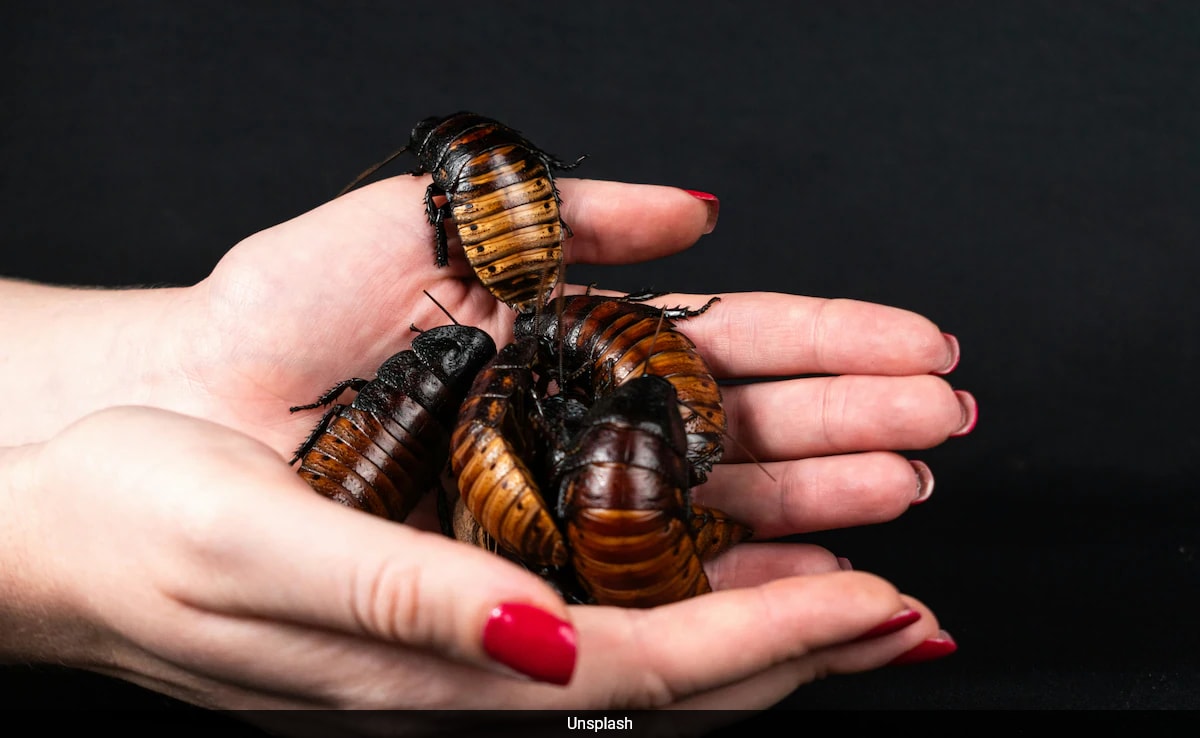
(618, 473)
(501, 195)
(491, 450)
(562, 422)
(382, 451)
(591, 343)
(624, 498)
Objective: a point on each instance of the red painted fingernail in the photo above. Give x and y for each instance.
(924, 482)
(712, 203)
(927, 650)
(531, 641)
(970, 410)
(952, 343)
(844, 564)
(899, 621)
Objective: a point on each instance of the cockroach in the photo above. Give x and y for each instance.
(491, 450)
(624, 498)
(461, 525)
(383, 450)
(501, 195)
(596, 343)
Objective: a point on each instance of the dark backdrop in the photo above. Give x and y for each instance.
(1025, 174)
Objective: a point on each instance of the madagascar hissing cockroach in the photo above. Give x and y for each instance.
(383, 450)
(500, 193)
(490, 453)
(624, 498)
(598, 343)
(461, 525)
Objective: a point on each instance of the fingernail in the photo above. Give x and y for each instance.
(531, 641)
(899, 621)
(927, 650)
(970, 410)
(952, 343)
(714, 208)
(924, 482)
(844, 564)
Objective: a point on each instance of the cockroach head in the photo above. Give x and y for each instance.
(456, 352)
(421, 133)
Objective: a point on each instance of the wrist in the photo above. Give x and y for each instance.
(75, 350)
(37, 622)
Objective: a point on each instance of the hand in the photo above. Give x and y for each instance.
(328, 296)
(187, 558)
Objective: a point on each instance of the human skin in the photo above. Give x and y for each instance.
(150, 527)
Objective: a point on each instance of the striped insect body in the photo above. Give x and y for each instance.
(383, 450)
(500, 194)
(601, 342)
(491, 457)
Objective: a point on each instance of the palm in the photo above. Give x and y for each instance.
(330, 296)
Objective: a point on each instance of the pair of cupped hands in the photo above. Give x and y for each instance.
(160, 535)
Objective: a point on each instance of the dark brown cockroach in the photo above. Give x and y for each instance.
(500, 194)
(596, 343)
(624, 498)
(490, 454)
(384, 449)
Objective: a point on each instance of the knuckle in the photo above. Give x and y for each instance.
(385, 600)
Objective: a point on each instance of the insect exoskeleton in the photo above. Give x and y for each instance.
(601, 342)
(382, 451)
(715, 531)
(502, 198)
(624, 498)
(491, 450)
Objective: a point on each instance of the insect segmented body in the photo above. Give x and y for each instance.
(624, 498)
(491, 449)
(715, 532)
(602, 342)
(381, 452)
(500, 193)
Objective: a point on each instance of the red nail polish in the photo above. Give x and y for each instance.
(531, 641)
(899, 621)
(712, 203)
(924, 482)
(970, 410)
(952, 342)
(927, 650)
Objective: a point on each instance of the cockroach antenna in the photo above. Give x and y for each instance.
(374, 168)
(441, 307)
(649, 354)
(739, 444)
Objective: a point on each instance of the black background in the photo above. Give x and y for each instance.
(1025, 174)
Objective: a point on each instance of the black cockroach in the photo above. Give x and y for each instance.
(490, 455)
(500, 193)
(383, 450)
(596, 343)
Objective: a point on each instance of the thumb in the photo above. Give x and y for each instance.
(322, 564)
